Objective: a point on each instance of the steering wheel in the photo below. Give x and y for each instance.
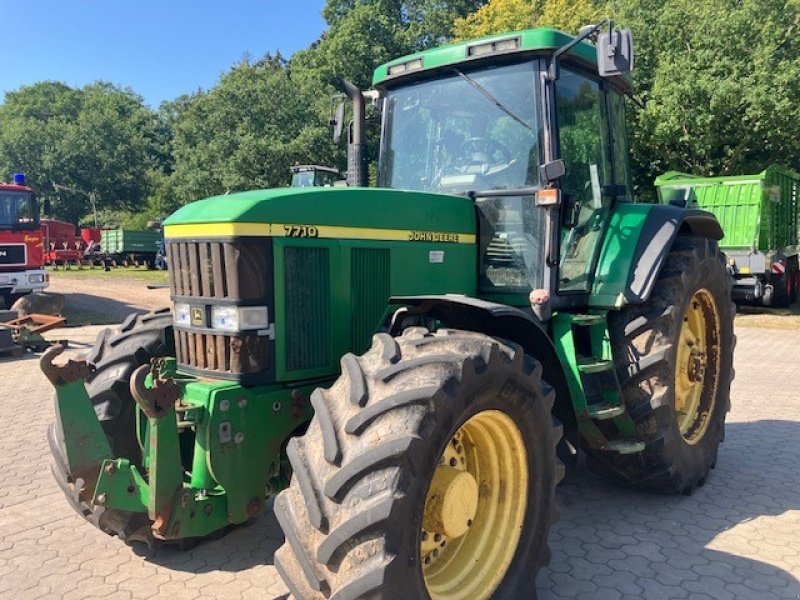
(485, 151)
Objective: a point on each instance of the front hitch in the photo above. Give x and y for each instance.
(85, 448)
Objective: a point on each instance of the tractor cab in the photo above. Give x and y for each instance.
(314, 176)
(532, 127)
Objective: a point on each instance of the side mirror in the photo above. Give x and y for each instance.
(337, 122)
(615, 52)
(48, 207)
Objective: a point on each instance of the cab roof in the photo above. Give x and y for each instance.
(483, 48)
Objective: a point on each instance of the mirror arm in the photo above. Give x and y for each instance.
(552, 68)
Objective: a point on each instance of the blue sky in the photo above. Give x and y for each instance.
(160, 49)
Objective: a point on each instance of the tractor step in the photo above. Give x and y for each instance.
(594, 365)
(586, 320)
(606, 410)
(625, 446)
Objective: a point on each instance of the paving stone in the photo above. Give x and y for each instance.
(736, 538)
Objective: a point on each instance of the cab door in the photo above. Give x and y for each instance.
(585, 145)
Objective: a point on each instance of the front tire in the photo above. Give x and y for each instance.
(114, 357)
(674, 356)
(428, 471)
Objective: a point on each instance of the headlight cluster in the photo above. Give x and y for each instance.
(223, 317)
(36, 278)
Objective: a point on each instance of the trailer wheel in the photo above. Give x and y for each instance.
(428, 471)
(674, 358)
(115, 356)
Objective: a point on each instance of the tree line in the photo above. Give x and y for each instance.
(717, 92)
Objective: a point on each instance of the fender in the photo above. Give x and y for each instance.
(507, 322)
(636, 244)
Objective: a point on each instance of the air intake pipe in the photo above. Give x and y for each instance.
(357, 173)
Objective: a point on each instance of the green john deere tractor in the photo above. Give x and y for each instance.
(411, 364)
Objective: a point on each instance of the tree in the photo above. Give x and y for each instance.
(499, 16)
(99, 138)
(722, 94)
(243, 133)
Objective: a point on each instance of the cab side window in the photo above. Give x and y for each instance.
(584, 143)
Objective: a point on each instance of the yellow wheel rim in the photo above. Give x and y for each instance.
(697, 366)
(475, 509)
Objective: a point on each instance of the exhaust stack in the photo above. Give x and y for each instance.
(357, 173)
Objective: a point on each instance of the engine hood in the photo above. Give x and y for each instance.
(346, 212)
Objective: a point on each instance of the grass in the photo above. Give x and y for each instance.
(139, 273)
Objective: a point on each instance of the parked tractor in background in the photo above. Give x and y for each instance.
(21, 245)
(761, 218)
(314, 176)
(417, 357)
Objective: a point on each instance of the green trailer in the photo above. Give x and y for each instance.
(760, 216)
(130, 246)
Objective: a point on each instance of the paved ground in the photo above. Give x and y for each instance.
(99, 295)
(737, 538)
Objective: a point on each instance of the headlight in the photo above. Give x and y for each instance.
(225, 318)
(239, 318)
(36, 278)
(182, 315)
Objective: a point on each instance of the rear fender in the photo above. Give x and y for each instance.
(501, 321)
(635, 247)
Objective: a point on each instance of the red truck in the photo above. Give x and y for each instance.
(21, 243)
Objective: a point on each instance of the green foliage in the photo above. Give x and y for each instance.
(100, 138)
(499, 16)
(721, 81)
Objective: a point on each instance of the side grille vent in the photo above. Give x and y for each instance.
(308, 307)
(369, 268)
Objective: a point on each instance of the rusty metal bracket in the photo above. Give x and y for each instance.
(41, 323)
(155, 401)
(72, 370)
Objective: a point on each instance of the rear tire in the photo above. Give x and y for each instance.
(353, 513)
(681, 445)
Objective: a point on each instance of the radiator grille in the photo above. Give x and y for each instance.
(236, 270)
(308, 307)
(221, 353)
(232, 271)
(369, 268)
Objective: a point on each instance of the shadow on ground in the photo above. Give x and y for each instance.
(615, 543)
(86, 309)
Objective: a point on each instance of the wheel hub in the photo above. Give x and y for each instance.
(474, 509)
(695, 384)
(452, 502)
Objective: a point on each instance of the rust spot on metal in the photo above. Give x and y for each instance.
(73, 370)
(254, 507)
(155, 402)
(299, 404)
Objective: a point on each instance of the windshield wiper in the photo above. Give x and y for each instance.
(493, 99)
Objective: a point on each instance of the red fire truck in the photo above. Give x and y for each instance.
(21, 245)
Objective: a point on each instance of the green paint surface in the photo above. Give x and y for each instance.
(758, 211)
(614, 265)
(344, 207)
(530, 40)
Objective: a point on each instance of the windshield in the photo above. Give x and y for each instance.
(17, 210)
(303, 179)
(473, 130)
